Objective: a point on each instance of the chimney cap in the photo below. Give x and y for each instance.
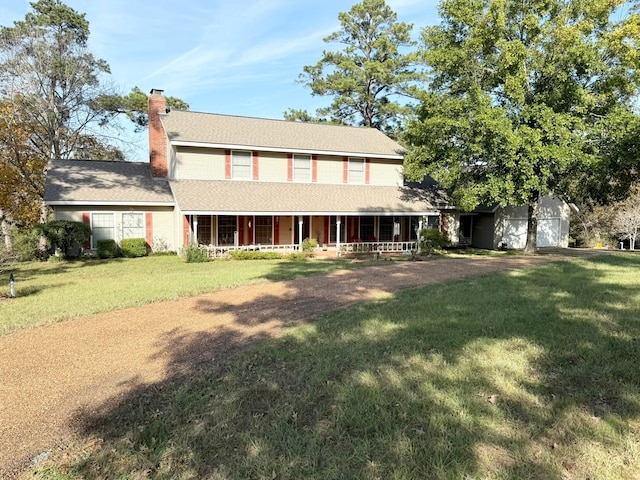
(156, 91)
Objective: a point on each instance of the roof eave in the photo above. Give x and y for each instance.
(183, 143)
(58, 203)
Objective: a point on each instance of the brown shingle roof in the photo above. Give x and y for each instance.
(224, 196)
(104, 182)
(279, 135)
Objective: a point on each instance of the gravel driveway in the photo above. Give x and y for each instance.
(51, 374)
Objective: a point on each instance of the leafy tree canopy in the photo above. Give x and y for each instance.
(368, 77)
(522, 98)
(55, 103)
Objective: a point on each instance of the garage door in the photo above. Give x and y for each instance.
(549, 232)
(515, 232)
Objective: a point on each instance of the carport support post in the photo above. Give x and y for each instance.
(300, 234)
(338, 221)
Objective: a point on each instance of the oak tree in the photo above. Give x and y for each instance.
(521, 95)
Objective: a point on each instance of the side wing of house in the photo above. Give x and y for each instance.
(117, 200)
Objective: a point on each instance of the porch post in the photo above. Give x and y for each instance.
(300, 232)
(195, 228)
(338, 221)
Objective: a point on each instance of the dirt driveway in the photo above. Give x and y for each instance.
(50, 375)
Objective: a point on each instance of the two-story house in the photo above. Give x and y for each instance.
(228, 182)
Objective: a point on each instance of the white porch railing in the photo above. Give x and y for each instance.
(221, 250)
(345, 248)
(380, 247)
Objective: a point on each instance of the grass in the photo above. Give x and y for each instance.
(530, 374)
(50, 292)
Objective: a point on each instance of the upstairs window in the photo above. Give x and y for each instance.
(302, 168)
(356, 170)
(241, 165)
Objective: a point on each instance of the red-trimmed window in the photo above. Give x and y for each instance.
(302, 168)
(356, 170)
(103, 227)
(133, 225)
(241, 165)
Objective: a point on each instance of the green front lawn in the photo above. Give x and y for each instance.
(50, 292)
(528, 374)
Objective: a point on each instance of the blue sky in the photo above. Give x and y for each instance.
(238, 57)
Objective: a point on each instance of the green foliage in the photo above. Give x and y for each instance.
(253, 255)
(25, 243)
(134, 247)
(65, 235)
(135, 106)
(431, 240)
(195, 254)
(309, 244)
(107, 248)
(522, 99)
(370, 74)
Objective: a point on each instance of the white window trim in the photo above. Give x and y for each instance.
(120, 227)
(360, 160)
(93, 242)
(250, 177)
(310, 158)
(117, 224)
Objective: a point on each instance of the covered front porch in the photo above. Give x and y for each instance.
(392, 233)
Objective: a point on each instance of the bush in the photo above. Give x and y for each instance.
(432, 239)
(195, 254)
(134, 247)
(253, 255)
(65, 235)
(26, 243)
(309, 244)
(107, 249)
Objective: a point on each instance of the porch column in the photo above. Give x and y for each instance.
(300, 232)
(338, 221)
(195, 228)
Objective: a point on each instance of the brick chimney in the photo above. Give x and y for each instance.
(157, 137)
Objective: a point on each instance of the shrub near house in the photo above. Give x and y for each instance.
(134, 247)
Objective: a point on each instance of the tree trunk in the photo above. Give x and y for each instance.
(42, 244)
(532, 224)
(6, 232)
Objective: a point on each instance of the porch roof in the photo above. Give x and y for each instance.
(235, 197)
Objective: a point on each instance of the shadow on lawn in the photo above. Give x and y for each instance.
(467, 378)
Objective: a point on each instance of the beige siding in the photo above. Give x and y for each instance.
(329, 169)
(163, 219)
(66, 213)
(272, 167)
(199, 164)
(164, 229)
(385, 172)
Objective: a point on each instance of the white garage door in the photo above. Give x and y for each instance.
(549, 232)
(515, 232)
